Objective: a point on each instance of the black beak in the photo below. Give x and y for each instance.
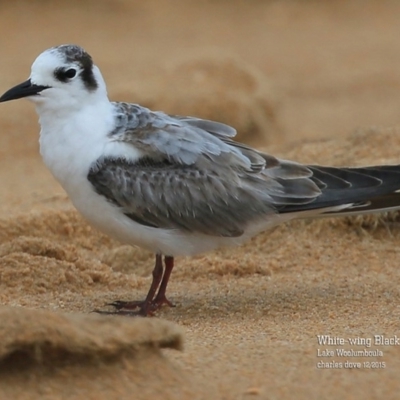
(24, 89)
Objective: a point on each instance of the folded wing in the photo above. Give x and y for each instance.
(195, 178)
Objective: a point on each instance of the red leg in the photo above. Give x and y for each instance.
(146, 307)
(161, 299)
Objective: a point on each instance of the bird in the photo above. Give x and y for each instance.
(175, 185)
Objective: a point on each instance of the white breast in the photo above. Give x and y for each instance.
(70, 146)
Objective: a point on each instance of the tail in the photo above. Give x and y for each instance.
(352, 191)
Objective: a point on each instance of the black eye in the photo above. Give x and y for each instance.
(64, 75)
(70, 73)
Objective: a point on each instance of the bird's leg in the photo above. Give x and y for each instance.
(146, 307)
(161, 299)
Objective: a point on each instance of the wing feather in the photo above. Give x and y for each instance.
(194, 177)
(217, 202)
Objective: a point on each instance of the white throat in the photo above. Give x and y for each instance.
(71, 140)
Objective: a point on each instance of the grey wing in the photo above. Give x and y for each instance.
(217, 202)
(185, 140)
(194, 176)
(189, 140)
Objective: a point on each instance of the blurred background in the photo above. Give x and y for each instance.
(279, 71)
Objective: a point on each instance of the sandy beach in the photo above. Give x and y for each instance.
(315, 82)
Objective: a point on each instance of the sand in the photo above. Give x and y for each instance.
(316, 82)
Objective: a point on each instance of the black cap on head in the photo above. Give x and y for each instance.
(76, 54)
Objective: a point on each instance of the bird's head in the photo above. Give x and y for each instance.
(63, 76)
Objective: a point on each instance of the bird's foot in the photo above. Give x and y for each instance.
(127, 305)
(130, 308)
(160, 300)
(137, 308)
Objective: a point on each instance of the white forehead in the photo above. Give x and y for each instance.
(45, 64)
(46, 68)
